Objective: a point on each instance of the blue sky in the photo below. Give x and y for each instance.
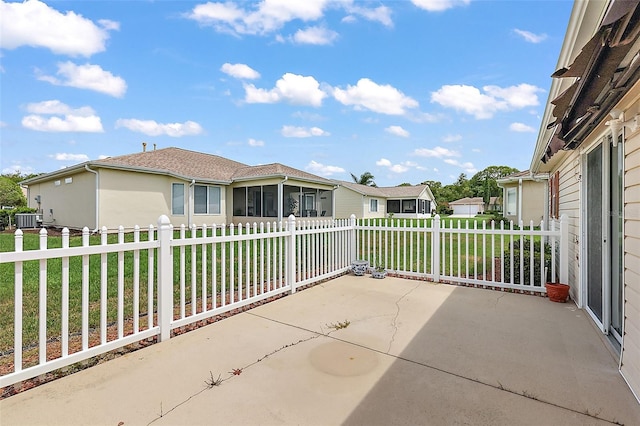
(407, 90)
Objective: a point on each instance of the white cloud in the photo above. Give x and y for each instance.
(315, 35)
(102, 156)
(521, 127)
(470, 100)
(468, 167)
(302, 132)
(241, 71)
(380, 14)
(398, 131)
(70, 123)
(63, 156)
(33, 23)
(292, 88)
(322, 169)
(63, 118)
(255, 142)
(398, 168)
(269, 16)
(530, 37)
(437, 152)
(451, 138)
(87, 76)
(439, 5)
(3, 124)
(152, 128)
(383, 99)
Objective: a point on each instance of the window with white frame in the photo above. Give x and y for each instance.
(206, 199)
(511, 202)
(177, 199)
(373, 205)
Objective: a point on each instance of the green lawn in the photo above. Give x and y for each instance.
(395, 249)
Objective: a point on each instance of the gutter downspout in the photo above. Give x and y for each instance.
(519, 201)
(333, 201)
(193, 182)
(281, 198)
(86, 167)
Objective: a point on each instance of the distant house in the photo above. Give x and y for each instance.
(467, 207)
(524, 197)
(189, 187)
(378, 202)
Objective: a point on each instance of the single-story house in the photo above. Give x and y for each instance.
(524, 197)
(377, 202)
(589, 144)
(467, 207)
(189, 187)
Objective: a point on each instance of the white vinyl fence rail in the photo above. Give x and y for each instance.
(79, 302)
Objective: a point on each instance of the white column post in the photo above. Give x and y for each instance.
(435, 248)
(352, 238)
(291, 254)
(165, 278)
(564, 249)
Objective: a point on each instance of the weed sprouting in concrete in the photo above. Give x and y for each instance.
(213, 382)
(339, 325)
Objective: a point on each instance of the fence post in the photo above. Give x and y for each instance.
(291, 254)
(165, 278)
(435, 248)
(564, 249)
(352, 238)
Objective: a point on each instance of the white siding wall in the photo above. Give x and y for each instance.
(631, 344)
(569, 204)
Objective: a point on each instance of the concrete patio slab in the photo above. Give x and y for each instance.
(412, 353)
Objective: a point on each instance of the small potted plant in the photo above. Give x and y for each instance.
(378, 271)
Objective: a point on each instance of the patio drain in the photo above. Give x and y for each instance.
(343, 360)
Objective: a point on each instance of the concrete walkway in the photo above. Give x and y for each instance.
(411, 353)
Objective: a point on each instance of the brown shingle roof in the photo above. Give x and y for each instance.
(467, 200)
(276, 169)
(385, 191)
(178, 161)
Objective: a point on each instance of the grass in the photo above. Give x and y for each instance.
(411, 252)
(182, 289)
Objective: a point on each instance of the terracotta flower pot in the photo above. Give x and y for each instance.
(557, 292)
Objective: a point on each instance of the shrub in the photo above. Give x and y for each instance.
(526, 252)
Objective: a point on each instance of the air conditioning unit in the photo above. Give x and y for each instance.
(26, 220)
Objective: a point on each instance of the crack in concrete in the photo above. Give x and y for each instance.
(395, 318)
(498, 300)
(238, 371)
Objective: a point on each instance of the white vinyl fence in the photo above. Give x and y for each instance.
(79, 302)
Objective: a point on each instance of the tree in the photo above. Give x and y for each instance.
(365, 179)
(11, 194)
(484, 183)
(18, 177)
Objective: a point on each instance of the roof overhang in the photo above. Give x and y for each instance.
(96, 165)
(604, 70)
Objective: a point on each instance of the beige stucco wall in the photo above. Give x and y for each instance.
(66, 204)
(133, 198)
(534, 201)
(350, 202)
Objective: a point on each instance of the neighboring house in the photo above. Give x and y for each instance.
(495, 204)
(467, 207)
(189, 187)
(589, 144)
(525, 197)
(378, 202)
